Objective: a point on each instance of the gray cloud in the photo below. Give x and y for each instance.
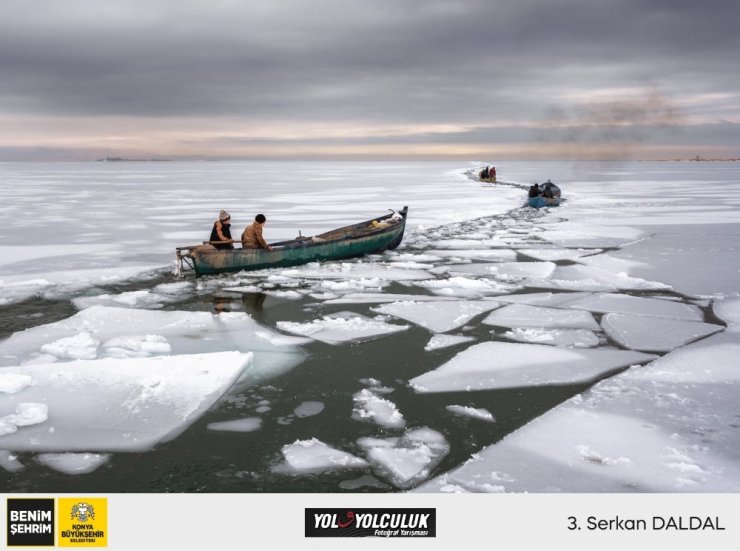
(411, 62)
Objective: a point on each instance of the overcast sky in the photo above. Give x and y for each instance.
(469, 79)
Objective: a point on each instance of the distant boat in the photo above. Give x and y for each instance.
(540, 201)
(373, 236)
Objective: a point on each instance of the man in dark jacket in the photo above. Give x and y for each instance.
(534, 191)
(222, 231)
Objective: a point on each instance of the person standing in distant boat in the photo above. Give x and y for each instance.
(548, 194)
(484, 174)
(492, 173)
(252, 234)
(222, 231)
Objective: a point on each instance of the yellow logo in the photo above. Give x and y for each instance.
(83, 522)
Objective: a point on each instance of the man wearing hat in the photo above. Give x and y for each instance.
(222, 231)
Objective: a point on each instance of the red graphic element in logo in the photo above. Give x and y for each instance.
(350, 520)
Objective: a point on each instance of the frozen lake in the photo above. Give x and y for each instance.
(588, 347)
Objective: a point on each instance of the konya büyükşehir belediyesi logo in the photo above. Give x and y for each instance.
(381, 523)
(30, 522)
(83, 522)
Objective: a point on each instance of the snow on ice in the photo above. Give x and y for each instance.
(494, 365)
(113, 404)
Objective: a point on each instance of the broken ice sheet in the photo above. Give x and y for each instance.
(407, 460)
(476, 413)
(506, 270)
(248, 424)
(313, 457)
(627, 304)
(341, 327)
(589, 278)
(483, 255)
(118, 405)
(371, 298)
(371, 407)
(654, 334)
(73, 463)
(553, 255)
(444, 341)
(542, 299)
(125, 332)
(728, 310)
(669, 426)
(9, 461)
(579, 338)
(438, 317)
(466, 287)
(494, 365)
(309, 409)
(524, 315)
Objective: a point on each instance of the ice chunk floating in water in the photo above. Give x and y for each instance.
(626, 304)
(438, 316)
(407, 460)
(341, 327)
(654, 334)
(493, 365)
(523, 315)
(666, 427)
(118, 405)
(313, 456)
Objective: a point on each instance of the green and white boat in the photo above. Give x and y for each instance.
(373, 236)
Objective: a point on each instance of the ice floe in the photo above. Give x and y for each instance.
(129, 332)
(589, 278)
(444, 341)
(341, 327)
(728, 310)
(313, 457)
(475, 413)
(626, 304)
(371, 298)
(542, 299)
(495, 365)
(669, 426)
(248, 424)
(73, 463)
(309, 409)
(459, 286)
(579, 338)
(524, 315)
(654, 334)
(438, 317)
(10, 462)
(407, 460)
(353, 270)
(371, 407)
(15, 288)
(553, 255)
(113, 404)
(507, 271)
(482, 255)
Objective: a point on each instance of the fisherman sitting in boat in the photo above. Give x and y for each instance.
(222, 232)
(252, 234)
(484, 174)
(534, 191)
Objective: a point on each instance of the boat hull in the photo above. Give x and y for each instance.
(213, 261)
(539, 202)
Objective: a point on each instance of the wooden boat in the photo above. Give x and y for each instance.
(373, 236)
(540, 201)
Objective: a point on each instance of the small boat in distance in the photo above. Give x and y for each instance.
(544, 199)
(373, 236)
